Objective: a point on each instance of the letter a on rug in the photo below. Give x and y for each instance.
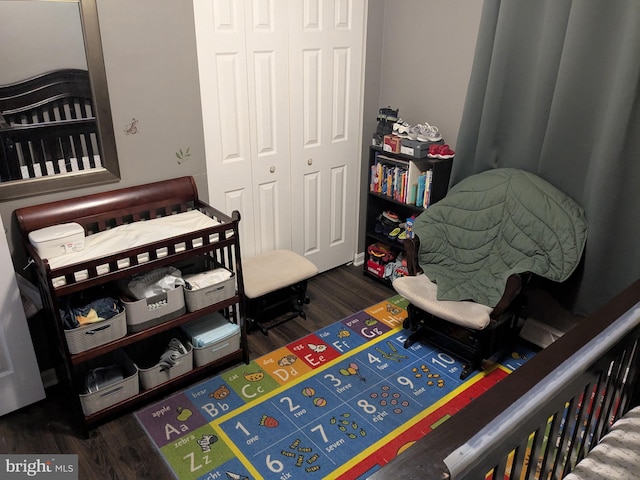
(338, 404)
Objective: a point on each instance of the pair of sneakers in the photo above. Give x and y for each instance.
(440, 151)
(386, 222)
(423, 132)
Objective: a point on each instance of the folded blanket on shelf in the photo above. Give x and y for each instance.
(197, 281)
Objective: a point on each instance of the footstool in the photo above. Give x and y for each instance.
(275, 283)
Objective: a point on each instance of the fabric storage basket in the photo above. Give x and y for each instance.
(196, 299)
(212, 337)
(95, 334)
(148, 312)
(147, 353)
(113, 393)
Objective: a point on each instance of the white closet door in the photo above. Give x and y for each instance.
(268, 76)
(326, 39)
(242, 58)
(281, 88)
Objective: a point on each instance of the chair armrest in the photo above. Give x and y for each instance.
(411, 249)
(511, 291)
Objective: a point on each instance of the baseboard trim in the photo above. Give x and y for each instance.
(358, 259)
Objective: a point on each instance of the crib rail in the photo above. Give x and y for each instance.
(559, 440)
(543, 418)
(47, 126)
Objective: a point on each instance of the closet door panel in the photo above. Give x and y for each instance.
(312, 97)
(340, 107)
(268, 216)
(231, 109)
(311, 220)
(267, 50)
(326, 51)
(338, 207)
(222, 62)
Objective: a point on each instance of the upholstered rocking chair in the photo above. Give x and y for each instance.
(472, 252)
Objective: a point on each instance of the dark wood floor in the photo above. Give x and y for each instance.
(120, 449)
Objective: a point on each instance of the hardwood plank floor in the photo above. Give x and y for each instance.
(120, 449)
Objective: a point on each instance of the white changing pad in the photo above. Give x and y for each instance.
(131, 235)
(617, 456)
(421, 292)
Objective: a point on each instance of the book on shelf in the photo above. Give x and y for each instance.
(423, 195)
(397, 179)
(426, 201)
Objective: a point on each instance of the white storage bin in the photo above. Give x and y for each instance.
(95, 334)
(146, 354)
(57, 240)
(154, 376)
(148, 312)
(196, 299)
(114, 393)
(222, 338)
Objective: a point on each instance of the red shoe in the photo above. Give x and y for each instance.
(445, 152)
(434, 150)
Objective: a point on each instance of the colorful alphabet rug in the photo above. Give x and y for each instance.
(339, 404)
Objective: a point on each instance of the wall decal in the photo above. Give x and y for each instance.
(132, 127)
(183, 156)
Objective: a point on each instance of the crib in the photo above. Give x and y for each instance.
(548, 415)
(48, 126)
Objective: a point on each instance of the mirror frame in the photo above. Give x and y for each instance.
(102, 107)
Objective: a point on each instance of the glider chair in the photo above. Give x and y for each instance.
(471, 254)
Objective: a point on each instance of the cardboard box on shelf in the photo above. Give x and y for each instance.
(392, 144)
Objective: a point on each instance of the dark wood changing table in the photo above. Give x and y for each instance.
(106, 210)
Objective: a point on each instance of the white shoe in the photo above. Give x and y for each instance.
(429, 133)
(414, 132)
(401, 129)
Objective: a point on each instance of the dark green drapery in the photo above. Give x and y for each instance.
(555, 90)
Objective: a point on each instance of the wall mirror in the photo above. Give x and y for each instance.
(56, 129)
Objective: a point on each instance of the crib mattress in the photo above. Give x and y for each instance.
(616, 456)
(132, 235)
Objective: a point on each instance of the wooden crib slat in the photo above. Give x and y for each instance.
(583, 419)
(519, 460)
(552, 453)
(537, 444)
(569, 429)
(632, 372)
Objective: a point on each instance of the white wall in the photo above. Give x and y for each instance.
(427, 53)
(26, 51)
(419, 58)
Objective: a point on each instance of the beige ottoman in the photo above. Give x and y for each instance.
(275, 283)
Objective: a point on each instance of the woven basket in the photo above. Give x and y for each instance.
(95, 334)
(128, 387)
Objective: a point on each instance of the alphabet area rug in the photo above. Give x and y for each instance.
(339, 403)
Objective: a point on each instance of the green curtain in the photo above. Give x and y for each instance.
(555, 90)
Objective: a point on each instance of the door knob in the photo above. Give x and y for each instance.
(310, 161)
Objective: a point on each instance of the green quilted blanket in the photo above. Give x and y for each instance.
(497, 223)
